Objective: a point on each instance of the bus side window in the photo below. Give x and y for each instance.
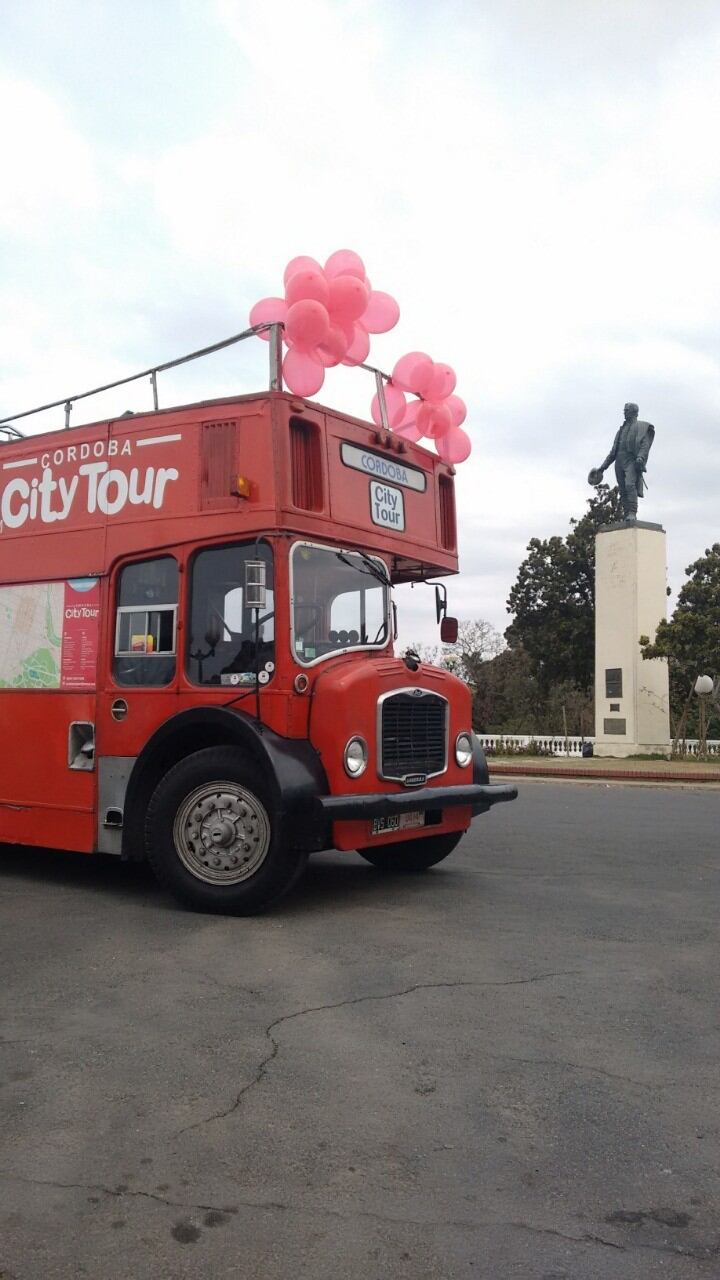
(146, 623)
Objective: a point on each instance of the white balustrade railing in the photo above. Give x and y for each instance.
(556, 744)
(690, 747)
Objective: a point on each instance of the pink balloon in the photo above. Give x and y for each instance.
(413, 372)
(440, 420)
(359, 349)
(348, 298)
(303, 263)
(382, 313)
(411, 411)
(308, 323)
(345, 263)
(394, 403)
(268, 311)
(409, 431)
(458, 410)
(303, 373)
(443, 382)
(423, 420)
(307, 284)
(455, 446)
(335, 346)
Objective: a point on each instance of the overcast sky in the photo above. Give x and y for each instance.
(537, 184)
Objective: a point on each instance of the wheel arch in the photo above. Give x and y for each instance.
(291, 765)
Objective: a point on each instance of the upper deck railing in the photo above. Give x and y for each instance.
(275, 380)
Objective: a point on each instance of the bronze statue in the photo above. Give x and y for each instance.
(630, 450)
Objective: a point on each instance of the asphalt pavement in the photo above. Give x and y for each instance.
(507, 1067)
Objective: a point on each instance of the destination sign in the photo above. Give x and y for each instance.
(382, 468)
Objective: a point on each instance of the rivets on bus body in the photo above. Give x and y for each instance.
(301, 683)
(119, 709)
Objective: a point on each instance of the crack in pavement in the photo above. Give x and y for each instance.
(341, 1004)
(386, 1219)
(276, 1205)
(127, 1192)
(463, 1224)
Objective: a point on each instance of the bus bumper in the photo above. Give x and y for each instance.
(382, 804)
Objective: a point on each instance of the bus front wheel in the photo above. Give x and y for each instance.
(412, 855)
(211, 837)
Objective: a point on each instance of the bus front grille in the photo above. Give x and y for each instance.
(413, 728)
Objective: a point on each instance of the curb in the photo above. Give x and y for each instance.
(610, 775)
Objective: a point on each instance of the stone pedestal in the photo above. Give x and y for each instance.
(632, 700)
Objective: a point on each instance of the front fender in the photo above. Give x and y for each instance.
(291, 765)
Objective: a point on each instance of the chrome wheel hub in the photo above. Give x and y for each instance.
(222, 833)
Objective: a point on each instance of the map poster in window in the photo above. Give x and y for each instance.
(81, 619)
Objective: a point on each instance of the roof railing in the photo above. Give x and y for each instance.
(274, 332)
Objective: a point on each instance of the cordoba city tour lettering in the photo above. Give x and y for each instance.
(96, 485)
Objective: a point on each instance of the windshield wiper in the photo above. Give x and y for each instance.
(371, 566)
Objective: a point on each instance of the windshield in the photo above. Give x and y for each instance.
(340, 600)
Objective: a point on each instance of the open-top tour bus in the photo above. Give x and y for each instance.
(196, 645)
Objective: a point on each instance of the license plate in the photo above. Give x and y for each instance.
(397, 822)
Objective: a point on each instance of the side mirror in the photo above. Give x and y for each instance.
(449, 630)
(255, 584)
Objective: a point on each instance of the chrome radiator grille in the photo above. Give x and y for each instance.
(412, 734)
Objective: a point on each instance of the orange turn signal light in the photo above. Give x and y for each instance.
(242, 487)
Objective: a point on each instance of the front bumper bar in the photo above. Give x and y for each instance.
(382, 804)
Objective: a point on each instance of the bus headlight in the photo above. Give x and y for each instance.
(463, 749)
(355, 757)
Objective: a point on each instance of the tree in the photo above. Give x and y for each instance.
(506, 695)
(477, 641)
(690, 640)
(553, 599)
(507, 698)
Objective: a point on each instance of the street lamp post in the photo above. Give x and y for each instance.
(703, 689)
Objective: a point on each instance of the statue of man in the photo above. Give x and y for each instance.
(630, 450)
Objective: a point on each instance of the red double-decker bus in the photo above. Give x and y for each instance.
(196, 647)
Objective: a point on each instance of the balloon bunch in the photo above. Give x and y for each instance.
(437, 413)
(328, 315)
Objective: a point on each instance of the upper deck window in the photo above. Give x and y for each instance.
(146, 622)
(230, 643)
(340, 601)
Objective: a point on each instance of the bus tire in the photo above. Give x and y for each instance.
(212, 836)
(409, 856)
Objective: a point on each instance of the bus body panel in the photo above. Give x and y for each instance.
(43, 801)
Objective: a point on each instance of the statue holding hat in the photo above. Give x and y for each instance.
(629, 452)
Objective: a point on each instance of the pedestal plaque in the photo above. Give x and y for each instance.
(632, 700)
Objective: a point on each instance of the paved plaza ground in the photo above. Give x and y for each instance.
(506, 1068)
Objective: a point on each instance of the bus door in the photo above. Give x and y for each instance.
(139, 685)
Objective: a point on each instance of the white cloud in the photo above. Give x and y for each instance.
(536, 184)
(47, 166)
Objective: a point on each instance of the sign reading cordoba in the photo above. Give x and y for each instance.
(383, 468)
(100, 481)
